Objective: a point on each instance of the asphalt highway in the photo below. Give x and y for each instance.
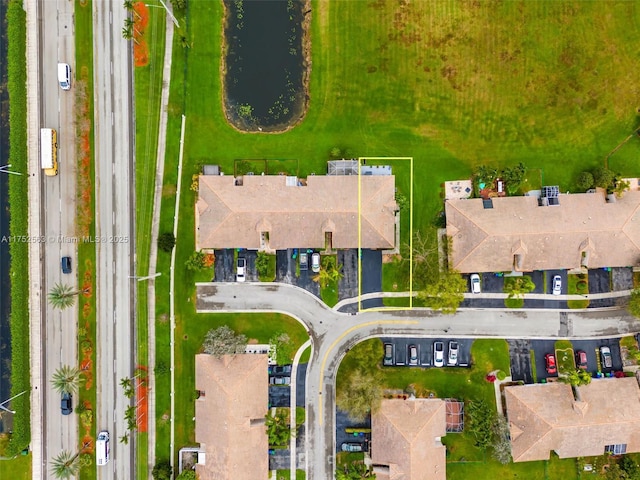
(114, 233)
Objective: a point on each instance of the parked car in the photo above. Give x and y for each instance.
(304, 261)
(240, 271)
(66, 264)
(438, 354)
(453, 353)
(281, 369)
(413, 355)
(581, 359)
(351, 447)
(557, 285)
(550, 361)
(315, 262)
(475, 283)
(388, 354)
(66, 404)
(605, 355)
(279, 380)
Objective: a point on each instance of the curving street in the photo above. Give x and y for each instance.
(333, 333)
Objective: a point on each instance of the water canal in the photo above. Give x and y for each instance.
(266, 63)
(5, 292)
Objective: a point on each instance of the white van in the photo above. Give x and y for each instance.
(102, 448)
(64, 76)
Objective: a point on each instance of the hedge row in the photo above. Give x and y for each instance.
(18, 200)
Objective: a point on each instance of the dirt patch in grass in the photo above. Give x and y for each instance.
(140, 48)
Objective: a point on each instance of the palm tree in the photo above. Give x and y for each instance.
(66, 464)
(67, 379)
(63, 296)
(128, 4)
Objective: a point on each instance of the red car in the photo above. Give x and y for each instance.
(581, 359)
(550, 360)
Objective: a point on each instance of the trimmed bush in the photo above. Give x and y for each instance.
(18, 198)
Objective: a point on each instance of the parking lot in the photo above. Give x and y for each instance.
(425, 350)
(590, 347)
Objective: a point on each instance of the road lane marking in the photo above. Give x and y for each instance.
(346, 332)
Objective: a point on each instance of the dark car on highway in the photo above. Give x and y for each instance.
(66, 404)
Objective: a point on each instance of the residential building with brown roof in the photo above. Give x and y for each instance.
(230, 414)
(584, 230)
(547, 417)
(274, 212)
(405, 439)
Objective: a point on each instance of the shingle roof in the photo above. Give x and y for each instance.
(230, 416)
(552, 237)
(405, 436)
(546, 417)
(230, 216)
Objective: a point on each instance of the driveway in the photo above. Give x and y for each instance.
(224, 270)
(348, 285)
(622, 279)
(540, 349)
(343, 422)
(520, 359)
(599, 280)
(371, 276)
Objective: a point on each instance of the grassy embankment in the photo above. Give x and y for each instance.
(85, 199)
(148, 84)
(18, 199)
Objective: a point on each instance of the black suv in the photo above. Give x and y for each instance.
(66, 264)
(66, 404)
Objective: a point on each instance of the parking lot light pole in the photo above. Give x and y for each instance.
(5, 169)
(148, 277)
(7, 401)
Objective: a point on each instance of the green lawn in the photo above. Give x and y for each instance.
(554, 469)
(578, 285)
(18, 468)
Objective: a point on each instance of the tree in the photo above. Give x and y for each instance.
(446, 293)
(502, 442)
(517, 286)
(179, 4)
(166, 241)
(278, 429)
(603, 177)
(196, 261)
(124, 439)
(162, 471)
(481, 419)
(223, 341)
(424, 251)
(262, 264)
(576, 378)
(513, 177)
(67, 379)
(283, 347)
(585, 181)
(621, 187)
(128, 5)
(354, 471)
(127, 385)
(629, 467)
(63, 296)
(187, 475)
(634, 303)
(329, 272)
(65, 464)
(361, 395)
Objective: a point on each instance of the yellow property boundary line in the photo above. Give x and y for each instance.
(390, 159)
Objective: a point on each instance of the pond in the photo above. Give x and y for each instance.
(266, 67)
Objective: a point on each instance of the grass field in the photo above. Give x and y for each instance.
(18, 468)
(453, 84)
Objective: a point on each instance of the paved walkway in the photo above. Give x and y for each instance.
(153, 251)
(492, 296)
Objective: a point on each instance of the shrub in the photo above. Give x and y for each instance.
(603, 177)
(166, 241)
(585, 181)
(581, 286)
(162, 471)
(262, 264)
(501, 375)
(179, 4)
